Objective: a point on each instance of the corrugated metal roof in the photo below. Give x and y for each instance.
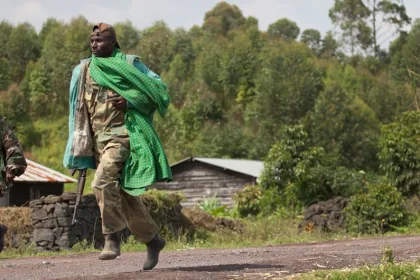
(36, 172)
(249, 167)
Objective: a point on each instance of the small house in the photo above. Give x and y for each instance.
(37, 181)
(200, 178)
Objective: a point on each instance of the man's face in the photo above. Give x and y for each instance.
(102, 46)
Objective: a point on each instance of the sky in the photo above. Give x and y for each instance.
(176, 13)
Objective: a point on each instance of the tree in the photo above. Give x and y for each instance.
(49, 25)
(21, 48)
(351, 16)
(283, 28)
(286, 86)
(40, 97)
(400, 154)
(342, 123)
(294, 168)
(223, 18)
(312, 38)
(329, 45)
(5, 73)
(361, 21)
(6, 30)
(127, 36)
(153, 47)
(393, 16)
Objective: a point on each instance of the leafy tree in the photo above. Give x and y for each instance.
(6, 30)
(329, 45)
(378, 210)
(287, 86)
(127, 36)
(221, 141)
(223, 18)
(5, 73)
(40, 96)
(153, 47)
(393, 14)
(399, 152)
(361, 20)
(49, 24)
(312, 38)
(406, 55)
(283, 28)
(22, 47)
(342, 123)
(351, 16)
(292, 165)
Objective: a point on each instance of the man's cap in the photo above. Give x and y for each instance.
(105, 30)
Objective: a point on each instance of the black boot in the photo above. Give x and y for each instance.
(3, 230)
(111, 248)
(154, 247)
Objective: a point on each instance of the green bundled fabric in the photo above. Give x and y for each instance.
(147, 162)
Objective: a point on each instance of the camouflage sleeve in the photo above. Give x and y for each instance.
(14, 158)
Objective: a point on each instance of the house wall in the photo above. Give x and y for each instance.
(199, 181)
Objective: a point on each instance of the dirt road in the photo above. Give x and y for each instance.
(270, 262)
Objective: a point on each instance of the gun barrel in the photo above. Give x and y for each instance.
(80, 188)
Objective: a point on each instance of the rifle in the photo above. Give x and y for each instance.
(80, 187)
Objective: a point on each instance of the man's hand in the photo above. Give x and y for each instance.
(9, 177)
(117, 100)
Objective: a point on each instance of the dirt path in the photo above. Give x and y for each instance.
(270, 262)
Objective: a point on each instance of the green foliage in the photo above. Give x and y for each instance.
(21, 48)
(400, 153)
(353, 134)
(304, 174)
(153, 47)
(376, 211)
(127, 36)
(248, 201)
(284, 28)
(383, 271)
(223, 18)
(213, 207)
(351, 16)
(387, 255)
(287, 86)
(312, 38)
(5, 73)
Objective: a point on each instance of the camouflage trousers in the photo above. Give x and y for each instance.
(118, 208)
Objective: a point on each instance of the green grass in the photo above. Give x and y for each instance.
(406, 271)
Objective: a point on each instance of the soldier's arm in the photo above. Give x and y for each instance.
(15, 160)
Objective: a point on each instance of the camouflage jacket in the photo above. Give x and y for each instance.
(11, 155)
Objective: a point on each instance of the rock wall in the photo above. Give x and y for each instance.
(52, 215)
(326, 216)
(51, 221)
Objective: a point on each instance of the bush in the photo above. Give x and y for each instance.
(248, 201)
(213, 207)
(376, 211)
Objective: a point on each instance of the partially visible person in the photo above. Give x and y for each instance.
(12, 164)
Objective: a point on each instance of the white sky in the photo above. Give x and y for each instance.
(176, 13)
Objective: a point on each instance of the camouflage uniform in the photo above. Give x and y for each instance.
(112, 148)
(11, 156)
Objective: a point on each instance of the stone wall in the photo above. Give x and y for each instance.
(52, 215)
(325, 216)
(51, 221)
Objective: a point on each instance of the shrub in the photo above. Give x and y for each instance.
(213, 207)
(376, 211)
(248, 201)
(400, 153)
